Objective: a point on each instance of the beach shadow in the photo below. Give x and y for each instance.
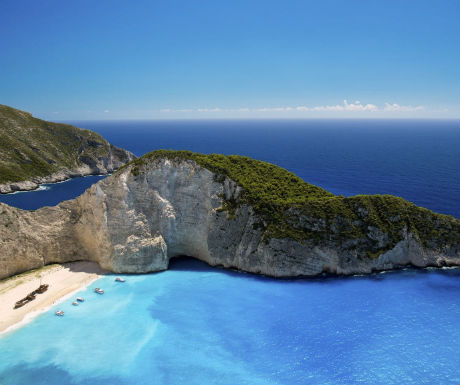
(85, 267)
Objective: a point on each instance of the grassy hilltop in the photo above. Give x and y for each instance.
(291, 207)
(31, 147)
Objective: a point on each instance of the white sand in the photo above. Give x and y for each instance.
(62, 280)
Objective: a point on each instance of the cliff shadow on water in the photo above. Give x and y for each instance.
(184, 263)
(188, 263)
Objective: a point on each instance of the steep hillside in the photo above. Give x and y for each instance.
(35, 151)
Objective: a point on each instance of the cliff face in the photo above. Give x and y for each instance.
(145, 214)
(34, 151)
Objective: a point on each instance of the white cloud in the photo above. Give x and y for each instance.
(397, 107)
(346, 107)
(274, 109)
(356, 106)
(106, 111)
(209, 109)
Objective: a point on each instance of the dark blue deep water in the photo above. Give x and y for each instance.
(418, 160)
(199, 325)
(50, 194)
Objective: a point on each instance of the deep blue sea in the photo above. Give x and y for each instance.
(194, 324)
(418, 160)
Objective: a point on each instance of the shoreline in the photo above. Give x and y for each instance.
(64, 281)
(31, 185)
(67, 279)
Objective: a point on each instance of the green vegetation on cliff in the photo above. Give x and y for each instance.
(291, 207)
(31, 147)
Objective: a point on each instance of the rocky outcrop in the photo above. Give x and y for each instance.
(102, 167)
(114, 159)
(135, 222)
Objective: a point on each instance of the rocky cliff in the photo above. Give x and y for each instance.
(34, 151)
(229, 211)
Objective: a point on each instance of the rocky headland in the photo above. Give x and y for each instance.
(228, 211)
(34, 151)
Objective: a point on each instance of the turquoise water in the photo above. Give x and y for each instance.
(199, 325)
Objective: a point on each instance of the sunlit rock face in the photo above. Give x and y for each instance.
(136, 222)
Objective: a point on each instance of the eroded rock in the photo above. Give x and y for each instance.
(136, 222)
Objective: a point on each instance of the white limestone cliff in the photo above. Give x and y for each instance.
(135, 223)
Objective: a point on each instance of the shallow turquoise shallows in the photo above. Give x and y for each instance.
(200, 325)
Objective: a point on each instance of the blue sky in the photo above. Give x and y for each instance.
(109, 59)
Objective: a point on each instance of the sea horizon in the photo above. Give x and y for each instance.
(281, 119)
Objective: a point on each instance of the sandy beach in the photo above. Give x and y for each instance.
(62, 280)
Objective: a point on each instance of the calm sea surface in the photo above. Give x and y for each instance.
(199, 325)
(417, 160)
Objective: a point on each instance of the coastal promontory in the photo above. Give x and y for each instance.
(35, 151)
(229, 211)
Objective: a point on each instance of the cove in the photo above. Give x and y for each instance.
(50, 194)
(194, 324)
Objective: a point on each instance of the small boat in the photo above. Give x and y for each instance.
(80, 299)
(75, 303)
(60, 313)
(98, 290)
(118, 279)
